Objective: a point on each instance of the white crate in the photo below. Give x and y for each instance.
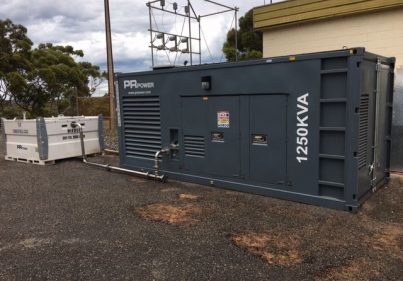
(44, 140)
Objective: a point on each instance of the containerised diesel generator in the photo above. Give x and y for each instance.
(313, 128)
(43, 140)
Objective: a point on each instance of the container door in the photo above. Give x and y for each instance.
(379, 148)
(224, 136)
(268, 129)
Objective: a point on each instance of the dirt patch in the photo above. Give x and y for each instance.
(170, 213)
(397, 178)
(359, 270)
(138, 180)
(187, 196)
(368, 207)
(170, 189)
(275, 249)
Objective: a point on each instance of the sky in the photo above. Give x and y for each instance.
(81, 24)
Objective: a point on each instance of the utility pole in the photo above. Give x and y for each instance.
(109, 57)
(236, 33)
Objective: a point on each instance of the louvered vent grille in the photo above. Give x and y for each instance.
(194, 146)
(363, 131)
(142, 126)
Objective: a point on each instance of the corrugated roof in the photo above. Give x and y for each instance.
(299, 11)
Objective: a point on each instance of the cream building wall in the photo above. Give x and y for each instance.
(380, 32)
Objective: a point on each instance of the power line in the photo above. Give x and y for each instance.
(205, 41)
(228, 29)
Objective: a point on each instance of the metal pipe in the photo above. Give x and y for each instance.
(216, 13)
(179, 14)
(173, 34)
(111, 168)
(157, 160)
(212, 2)
(193, 10)
(200, 51)
(111, 151)
(190, 36)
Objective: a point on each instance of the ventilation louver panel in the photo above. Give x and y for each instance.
(194, 146)
(363, 131)
(142, 126)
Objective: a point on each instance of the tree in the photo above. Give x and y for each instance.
(46, 80)
(249, 41)
(15, 47)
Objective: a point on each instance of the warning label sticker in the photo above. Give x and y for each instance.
(223, 119)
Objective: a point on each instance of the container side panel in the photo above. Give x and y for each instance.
(333, 115)
(331, 191)
(334, 85)
(366, 123)
(3, 135)
(383, 124)
(101, 133)
(333, 103)
(43, 144)
(334, 63)
(332, 143)
(397, 129)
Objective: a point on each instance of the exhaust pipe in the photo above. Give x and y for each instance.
(156, 175)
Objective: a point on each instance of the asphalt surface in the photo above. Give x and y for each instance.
(70, 221)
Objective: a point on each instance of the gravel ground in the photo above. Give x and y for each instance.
(74, 222)
(111, 140)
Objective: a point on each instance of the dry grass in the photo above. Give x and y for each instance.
(358, 270)
(390, 240)
(275, 249)
(187, 196)
(169, 213)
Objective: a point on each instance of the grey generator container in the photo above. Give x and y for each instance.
(313, 128)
